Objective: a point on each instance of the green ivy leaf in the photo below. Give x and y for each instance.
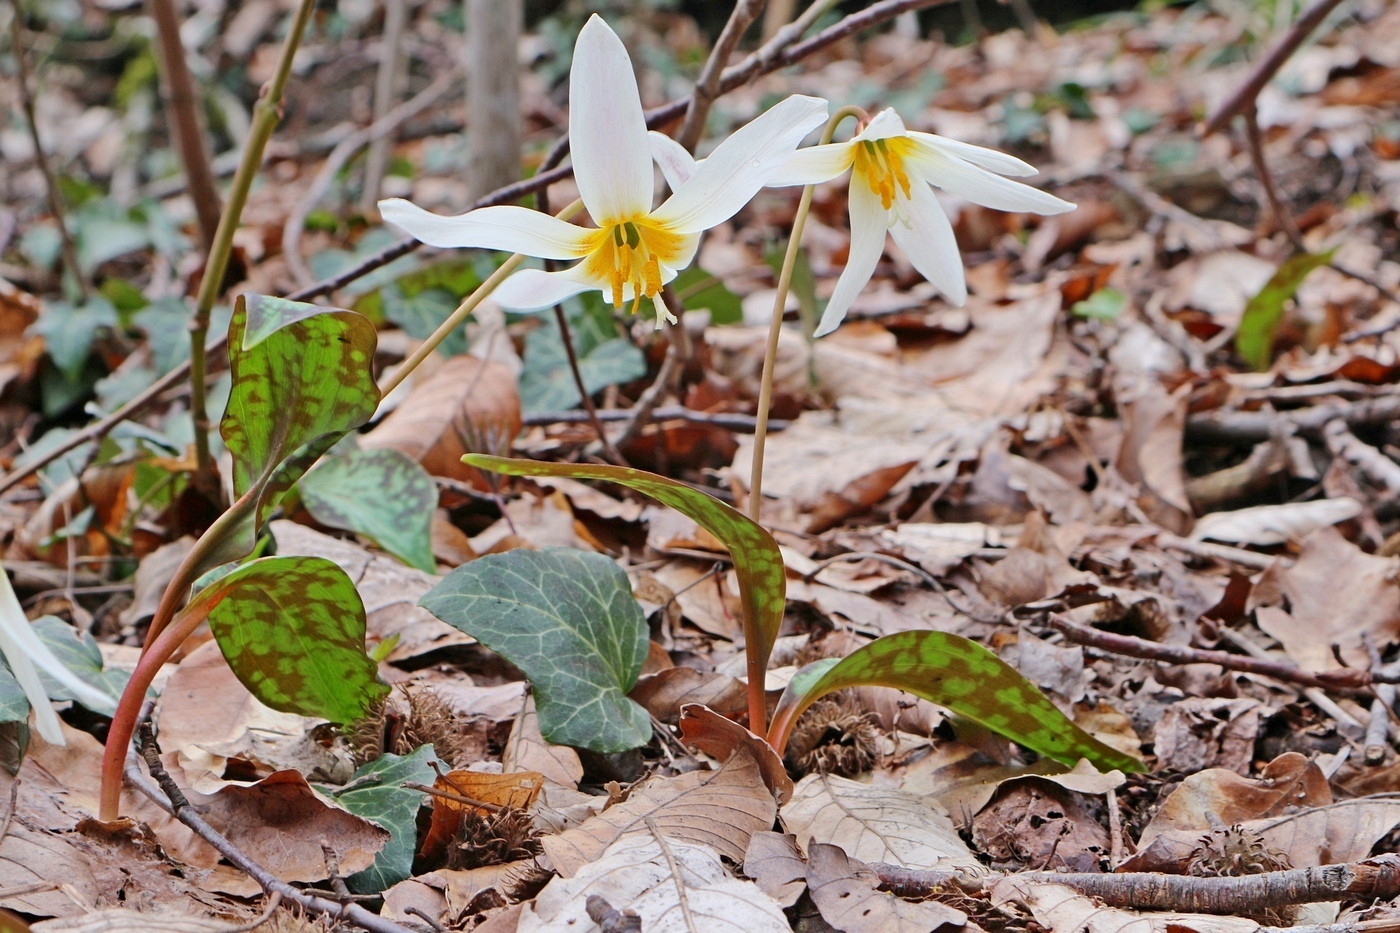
(374, 793)
(604, 359)
(1254, 341)
(422, 313)
(381, 494)
(698, 290)
(301, 380)
(69, 329)
(568, 620)
(757, 561)
(14, 705)
(956, 673)
(293, 631)
(79, 653)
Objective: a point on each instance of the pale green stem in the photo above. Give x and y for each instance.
(775, 326)
(266, 115)
(468, 305)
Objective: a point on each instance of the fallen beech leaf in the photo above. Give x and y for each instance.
(720, 738)
(844, 890)
(1061, 909)
(527, 750)
(1274, 524)
(1032, 823)
(876, 824)
(28, 856)
(665, 692)
(518, 790)
(465, 405)
(126, 920)
(634, 874)
(722, 809)
(1208, 732)
(774, 862)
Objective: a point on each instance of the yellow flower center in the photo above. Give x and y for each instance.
(881, 163)
(631, 253)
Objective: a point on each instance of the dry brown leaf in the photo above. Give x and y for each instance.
(28, 856)
(1335, 594)
(390, 591)
(518, 789)
(939, 548)
(533, 521)
(635, 874)
(876, 824)
(1208, 732)
(1151, 456)
(1274, 524)
(722, 809)
(465, 406)
(1060, 909)
(126, 920)
(1032, 823)
(527, 750)
(665, 692)
(775, 864)
(720, 738)
(845, 891)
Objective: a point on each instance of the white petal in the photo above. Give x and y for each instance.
(883, 125)
(534, 289)
(740, 165)
(929, 245)
(867, 243)
(676, 164)
(607, 131)
(814, 165)
(990, 159)
(978, 185)
(508, 228)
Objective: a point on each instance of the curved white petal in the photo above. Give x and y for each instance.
(684, 255)
(534, 289)
(732, 174)
(676, 164)
(978, 185)
(867, 243)
(883, 125)
(607, 131)
(505, 227)
(929, 245)
(990, 159)
(814, 165)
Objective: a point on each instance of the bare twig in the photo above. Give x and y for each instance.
(675, 874)
(1376, 466)
(1251, 427)
(707, 85)
(26, 96)
(1282, 216)
(449, 795)
(386, 90)
(1248, 92)
(10, 810)
(728, 420)
(164, 792)
(182, 103)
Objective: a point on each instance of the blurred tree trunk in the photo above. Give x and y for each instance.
(493, 93)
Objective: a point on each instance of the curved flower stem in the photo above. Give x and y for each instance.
(775, 326)
(468, 305)
(266, 115)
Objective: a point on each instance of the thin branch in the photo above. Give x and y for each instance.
(1252, 427)
(182, 103)
(727, 420)
(707, 85)
(1282, 216)
(167, 795)
(1248, 91)
(26, 96)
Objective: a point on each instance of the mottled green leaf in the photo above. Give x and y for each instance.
(963, 676)
(1254, 341)
(293, 631)
(374, 793)
(79, 653)
(568, 620)
(757, 561)
(381, 494)
(301, 380)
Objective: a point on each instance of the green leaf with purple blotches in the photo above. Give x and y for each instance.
(757, 561)
(956, 673)
(301, 380)
(293, 631)
(381, 494)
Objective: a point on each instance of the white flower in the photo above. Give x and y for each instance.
(634, 250)
(890, 191)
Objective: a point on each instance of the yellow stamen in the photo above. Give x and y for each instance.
(881, 163)
(628, 255)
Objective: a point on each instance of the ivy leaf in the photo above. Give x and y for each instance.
(422, 313)
(293, 631)
(568, 620)
(604, 359)
(375, 794)
(1254, 341)
(79, 653)
(69, 330)
(14, 705)
(381, 494)
(301, 380)
(757, 561)
(956, 673)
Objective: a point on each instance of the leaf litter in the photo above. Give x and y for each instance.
(1078, 440)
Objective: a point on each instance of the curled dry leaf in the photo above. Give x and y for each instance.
(774, 862)
(689, 890)
(518, 790)
(722, 809)
(666, 691)
(1266, 525)
(465, 406)
(720, 738)
(846, 892)
(876, 824)
(1208, 732)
